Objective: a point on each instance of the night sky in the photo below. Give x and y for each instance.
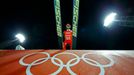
(36, 20)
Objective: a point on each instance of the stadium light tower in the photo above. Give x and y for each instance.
(21, 39)
(109, 19)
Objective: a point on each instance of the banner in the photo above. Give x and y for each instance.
(58, 22)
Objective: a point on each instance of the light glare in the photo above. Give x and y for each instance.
(20, 37)
(109, 19)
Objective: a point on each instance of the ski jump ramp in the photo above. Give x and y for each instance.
(67, 62)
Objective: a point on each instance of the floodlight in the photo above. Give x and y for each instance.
(109, 19)
(20, 37)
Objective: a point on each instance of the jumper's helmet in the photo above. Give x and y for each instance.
(68, 26)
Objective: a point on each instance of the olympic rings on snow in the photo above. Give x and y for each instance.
(61, 64)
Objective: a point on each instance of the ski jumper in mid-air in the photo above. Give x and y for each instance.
(67, 37)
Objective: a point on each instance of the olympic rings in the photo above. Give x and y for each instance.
(24, 64)
(102, 71)
(107, 65)
(61, 67)
(68, 65)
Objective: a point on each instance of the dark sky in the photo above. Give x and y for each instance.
(36, 19)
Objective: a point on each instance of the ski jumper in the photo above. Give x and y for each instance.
(67, 39)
